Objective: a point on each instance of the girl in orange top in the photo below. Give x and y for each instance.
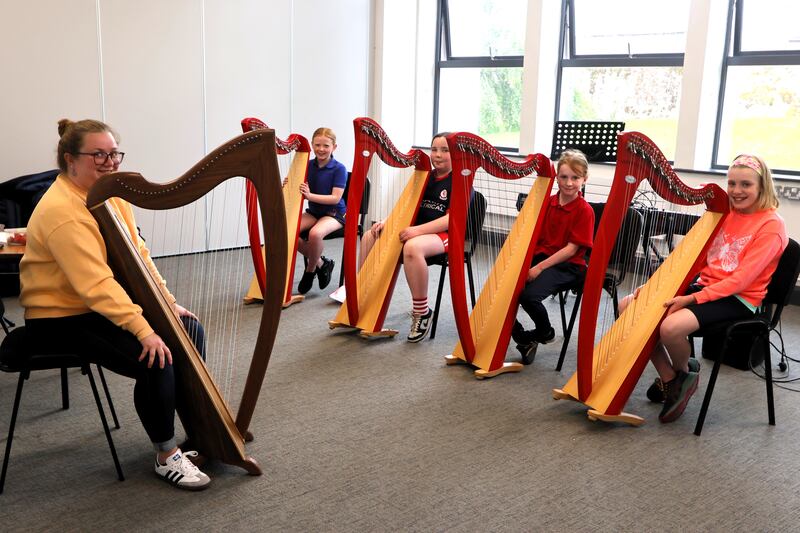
(731, 285)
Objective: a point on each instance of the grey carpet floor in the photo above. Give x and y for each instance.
(380, 435)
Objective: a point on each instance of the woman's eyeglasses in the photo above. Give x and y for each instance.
(100, 158)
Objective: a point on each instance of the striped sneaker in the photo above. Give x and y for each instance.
(182, 473)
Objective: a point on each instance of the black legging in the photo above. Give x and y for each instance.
(96, 338)
(549, 282)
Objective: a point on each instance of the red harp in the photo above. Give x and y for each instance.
(482, 174)
(202, 406)
(297, 150)
(608, 370)
(369, 288)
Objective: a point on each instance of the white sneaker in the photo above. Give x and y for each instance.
(339, 295)
(419, 326)
(182, 473)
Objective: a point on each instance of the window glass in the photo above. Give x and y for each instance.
(482, 100)
(487, 27)
(623, 27)
(770, 25)
(761, 115)
(645, 98)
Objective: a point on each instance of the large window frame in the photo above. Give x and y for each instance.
(445, 60)
(734, 56)
(567, 58)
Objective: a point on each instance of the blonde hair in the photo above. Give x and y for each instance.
(576, 160)
(324, 132)
(72, 134)
(767, 197)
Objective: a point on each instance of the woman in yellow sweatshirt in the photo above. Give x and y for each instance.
(72, 301)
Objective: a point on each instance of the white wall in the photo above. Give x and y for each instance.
(176, 77)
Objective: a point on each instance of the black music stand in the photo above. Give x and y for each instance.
(598, 140)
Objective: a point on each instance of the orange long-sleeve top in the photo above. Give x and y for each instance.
(64, 271)
(743, 257)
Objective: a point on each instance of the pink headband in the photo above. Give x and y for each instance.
(748, 161)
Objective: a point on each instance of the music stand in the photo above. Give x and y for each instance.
(598, 140)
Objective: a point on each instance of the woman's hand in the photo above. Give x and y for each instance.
(152, 347)
(304, 190)
(182, 311)
(678, 303)
(409, 233)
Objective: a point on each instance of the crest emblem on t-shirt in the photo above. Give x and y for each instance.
(443, 194)
(726, 250)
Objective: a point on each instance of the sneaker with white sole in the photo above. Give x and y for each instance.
(181, 472)
(419, 326)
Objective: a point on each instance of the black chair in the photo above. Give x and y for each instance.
(779, 292)
(475, 217)
(339, 233)
(622, 258)
(16, 357)
(4, 322)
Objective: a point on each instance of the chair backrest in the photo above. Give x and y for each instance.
(475, 218)
(779, 290)
(628, 239)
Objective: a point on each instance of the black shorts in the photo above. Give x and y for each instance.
(333, 214)
(723, 310)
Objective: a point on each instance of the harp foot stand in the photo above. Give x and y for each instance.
(296, 298)
(377, 334)
(560, 394)
(625, 418)
(480, 373)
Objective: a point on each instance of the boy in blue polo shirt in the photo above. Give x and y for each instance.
(325, 185)
(559, 258)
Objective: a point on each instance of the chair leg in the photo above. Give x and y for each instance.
(568, 331)
(768, 376)
(438, 300)
(88, 371)
(108, 396)
(712, 380)
(22, 377)
(615, 299)
(471, 279)
(64, 389)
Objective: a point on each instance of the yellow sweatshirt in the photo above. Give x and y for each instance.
(64, 271)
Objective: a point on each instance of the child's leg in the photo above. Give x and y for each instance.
(367, 242)
(416, 269)
(313, 247)
(673, 333)
(307, 221)
(549, 282)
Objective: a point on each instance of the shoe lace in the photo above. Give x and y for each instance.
(416, 321)
(187, 467)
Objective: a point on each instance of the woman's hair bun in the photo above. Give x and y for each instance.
(63, 124)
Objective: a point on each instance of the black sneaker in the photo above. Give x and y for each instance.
(419, 326)
(520, 335)
(528, 352)
(656, 391)
(305, 282)
(324, 272)
(545, 337)
(676, 395)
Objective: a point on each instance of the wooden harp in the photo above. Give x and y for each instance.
(369, 289)
(297, 151)
(608, 370)
(206, 417)
(484, 331)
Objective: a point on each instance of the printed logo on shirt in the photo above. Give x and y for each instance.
(726, 250)
(443, 194)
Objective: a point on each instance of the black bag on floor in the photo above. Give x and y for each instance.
(738, 352)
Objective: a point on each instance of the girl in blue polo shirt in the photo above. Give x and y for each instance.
(559, 258)
(324, 188)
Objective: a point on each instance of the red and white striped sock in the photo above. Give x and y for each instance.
(420, 306)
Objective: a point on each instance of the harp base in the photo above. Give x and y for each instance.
(332, 324)
(480, 373)
(560, 394)
(382, 333)
(249, 300)
(296, 298)
(625, 418)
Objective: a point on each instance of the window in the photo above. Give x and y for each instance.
(622, 60)
(760, 94)
(478, 78)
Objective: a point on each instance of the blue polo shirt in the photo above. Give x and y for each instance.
(322, 181)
